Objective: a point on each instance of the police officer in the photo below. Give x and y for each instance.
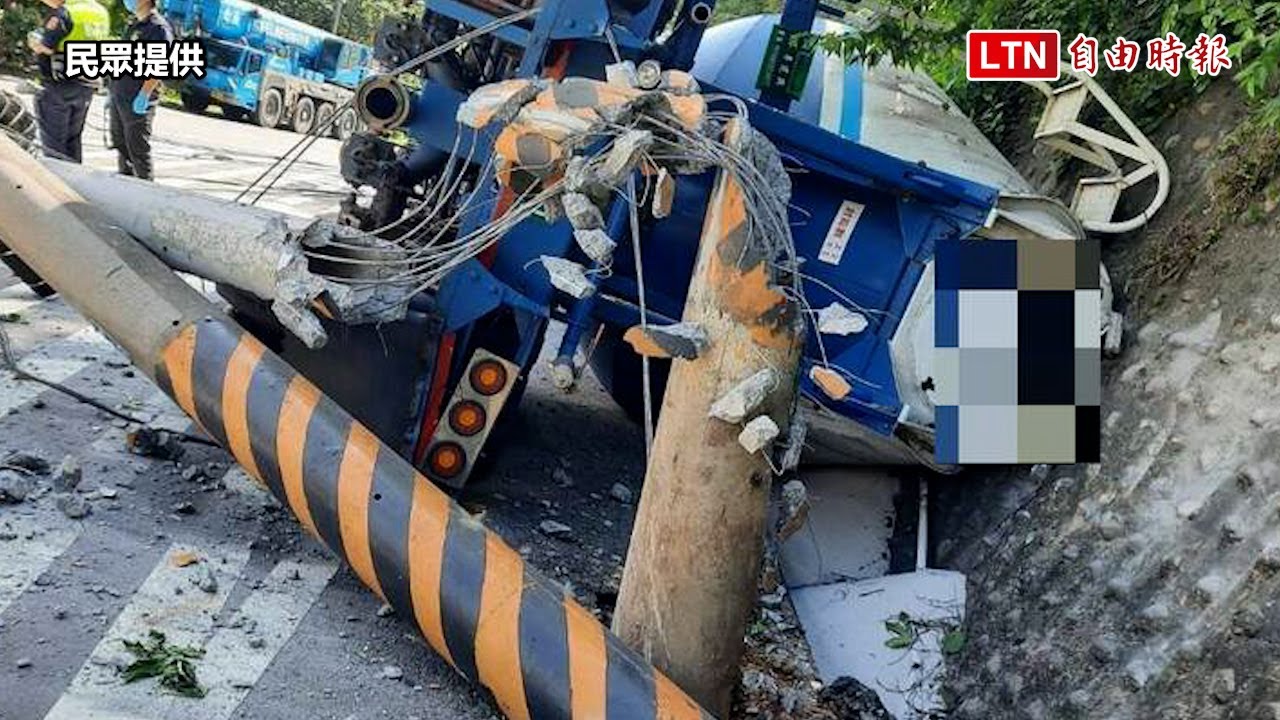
(133, 100)
(63, 103)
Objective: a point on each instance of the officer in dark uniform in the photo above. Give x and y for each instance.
(133, 100)
(63, 103)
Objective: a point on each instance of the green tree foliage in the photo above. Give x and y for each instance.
(732, 9)
(929, 35)
(360, 18)
(17, 18)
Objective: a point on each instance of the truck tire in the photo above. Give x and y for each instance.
(194, 103)
(304, 116)
(346, 123)
(270, 108)
(17, 123)
(15, 119)
(324, 114)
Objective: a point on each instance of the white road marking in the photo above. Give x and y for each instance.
(170, 602)
(232, 664)
(41, 537)
(55, 361)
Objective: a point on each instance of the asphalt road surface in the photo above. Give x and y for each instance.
(219, 157)
(196, 550)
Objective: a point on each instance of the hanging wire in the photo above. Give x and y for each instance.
(644, 314)
(323, 128)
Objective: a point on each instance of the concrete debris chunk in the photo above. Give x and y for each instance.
(745, 397)
(205, 579)
(154, 443)
(596, 244)
(68, 475)
(830, 382)
(757, 434)
(582, 211)
(1112, 333)
(73, 506)
(555, 529)
(623, 157)
(836, 319)
(621, 493)
(622, 74)
(567, 276)
(686, 341)
(497, 101)
(789, 459)
(392, 672)
(664, 193)
(679, 81)
(795, 509)
(14, 487)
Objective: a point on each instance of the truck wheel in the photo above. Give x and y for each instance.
(270, 108)
(345, 125)
(304, 116)
(324, 114)
(194, 103)
(16, 121)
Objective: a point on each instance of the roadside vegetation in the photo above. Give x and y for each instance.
(929, 35)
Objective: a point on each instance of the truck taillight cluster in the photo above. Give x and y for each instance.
(469, 418)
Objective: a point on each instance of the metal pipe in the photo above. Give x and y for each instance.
(497, 621)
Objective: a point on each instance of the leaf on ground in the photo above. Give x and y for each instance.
(171, 664)
(953, 642)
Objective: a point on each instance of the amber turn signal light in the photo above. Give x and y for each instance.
(488, 377)
(447, 459)
(467, 418)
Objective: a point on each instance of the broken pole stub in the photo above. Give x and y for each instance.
(689, 584)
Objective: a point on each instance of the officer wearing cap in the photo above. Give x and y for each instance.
(63, 103)
(133, 99)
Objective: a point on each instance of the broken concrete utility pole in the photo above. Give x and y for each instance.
(497, 621)
(689, 584)
(260, 251)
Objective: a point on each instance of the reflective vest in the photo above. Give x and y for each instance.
(89, 21)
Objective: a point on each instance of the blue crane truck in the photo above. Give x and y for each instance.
(263, 65)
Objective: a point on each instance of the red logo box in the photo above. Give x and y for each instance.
(1013, 54)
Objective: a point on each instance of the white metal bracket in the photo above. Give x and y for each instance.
(1125, 161)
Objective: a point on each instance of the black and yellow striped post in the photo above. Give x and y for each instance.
(497, 621)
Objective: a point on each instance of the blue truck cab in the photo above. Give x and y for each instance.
(264, 66)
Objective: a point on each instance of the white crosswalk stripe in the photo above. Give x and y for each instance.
(168, 601)
(38, 538)
(235, 659)
(55, 361)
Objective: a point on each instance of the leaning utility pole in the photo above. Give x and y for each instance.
(689, 585)
(337, 15)
(497, 621)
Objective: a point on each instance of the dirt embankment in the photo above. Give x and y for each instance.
(1146, 587)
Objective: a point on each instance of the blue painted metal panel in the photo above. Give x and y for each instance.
(908, 208)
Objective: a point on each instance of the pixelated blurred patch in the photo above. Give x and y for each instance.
(1017, 343)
